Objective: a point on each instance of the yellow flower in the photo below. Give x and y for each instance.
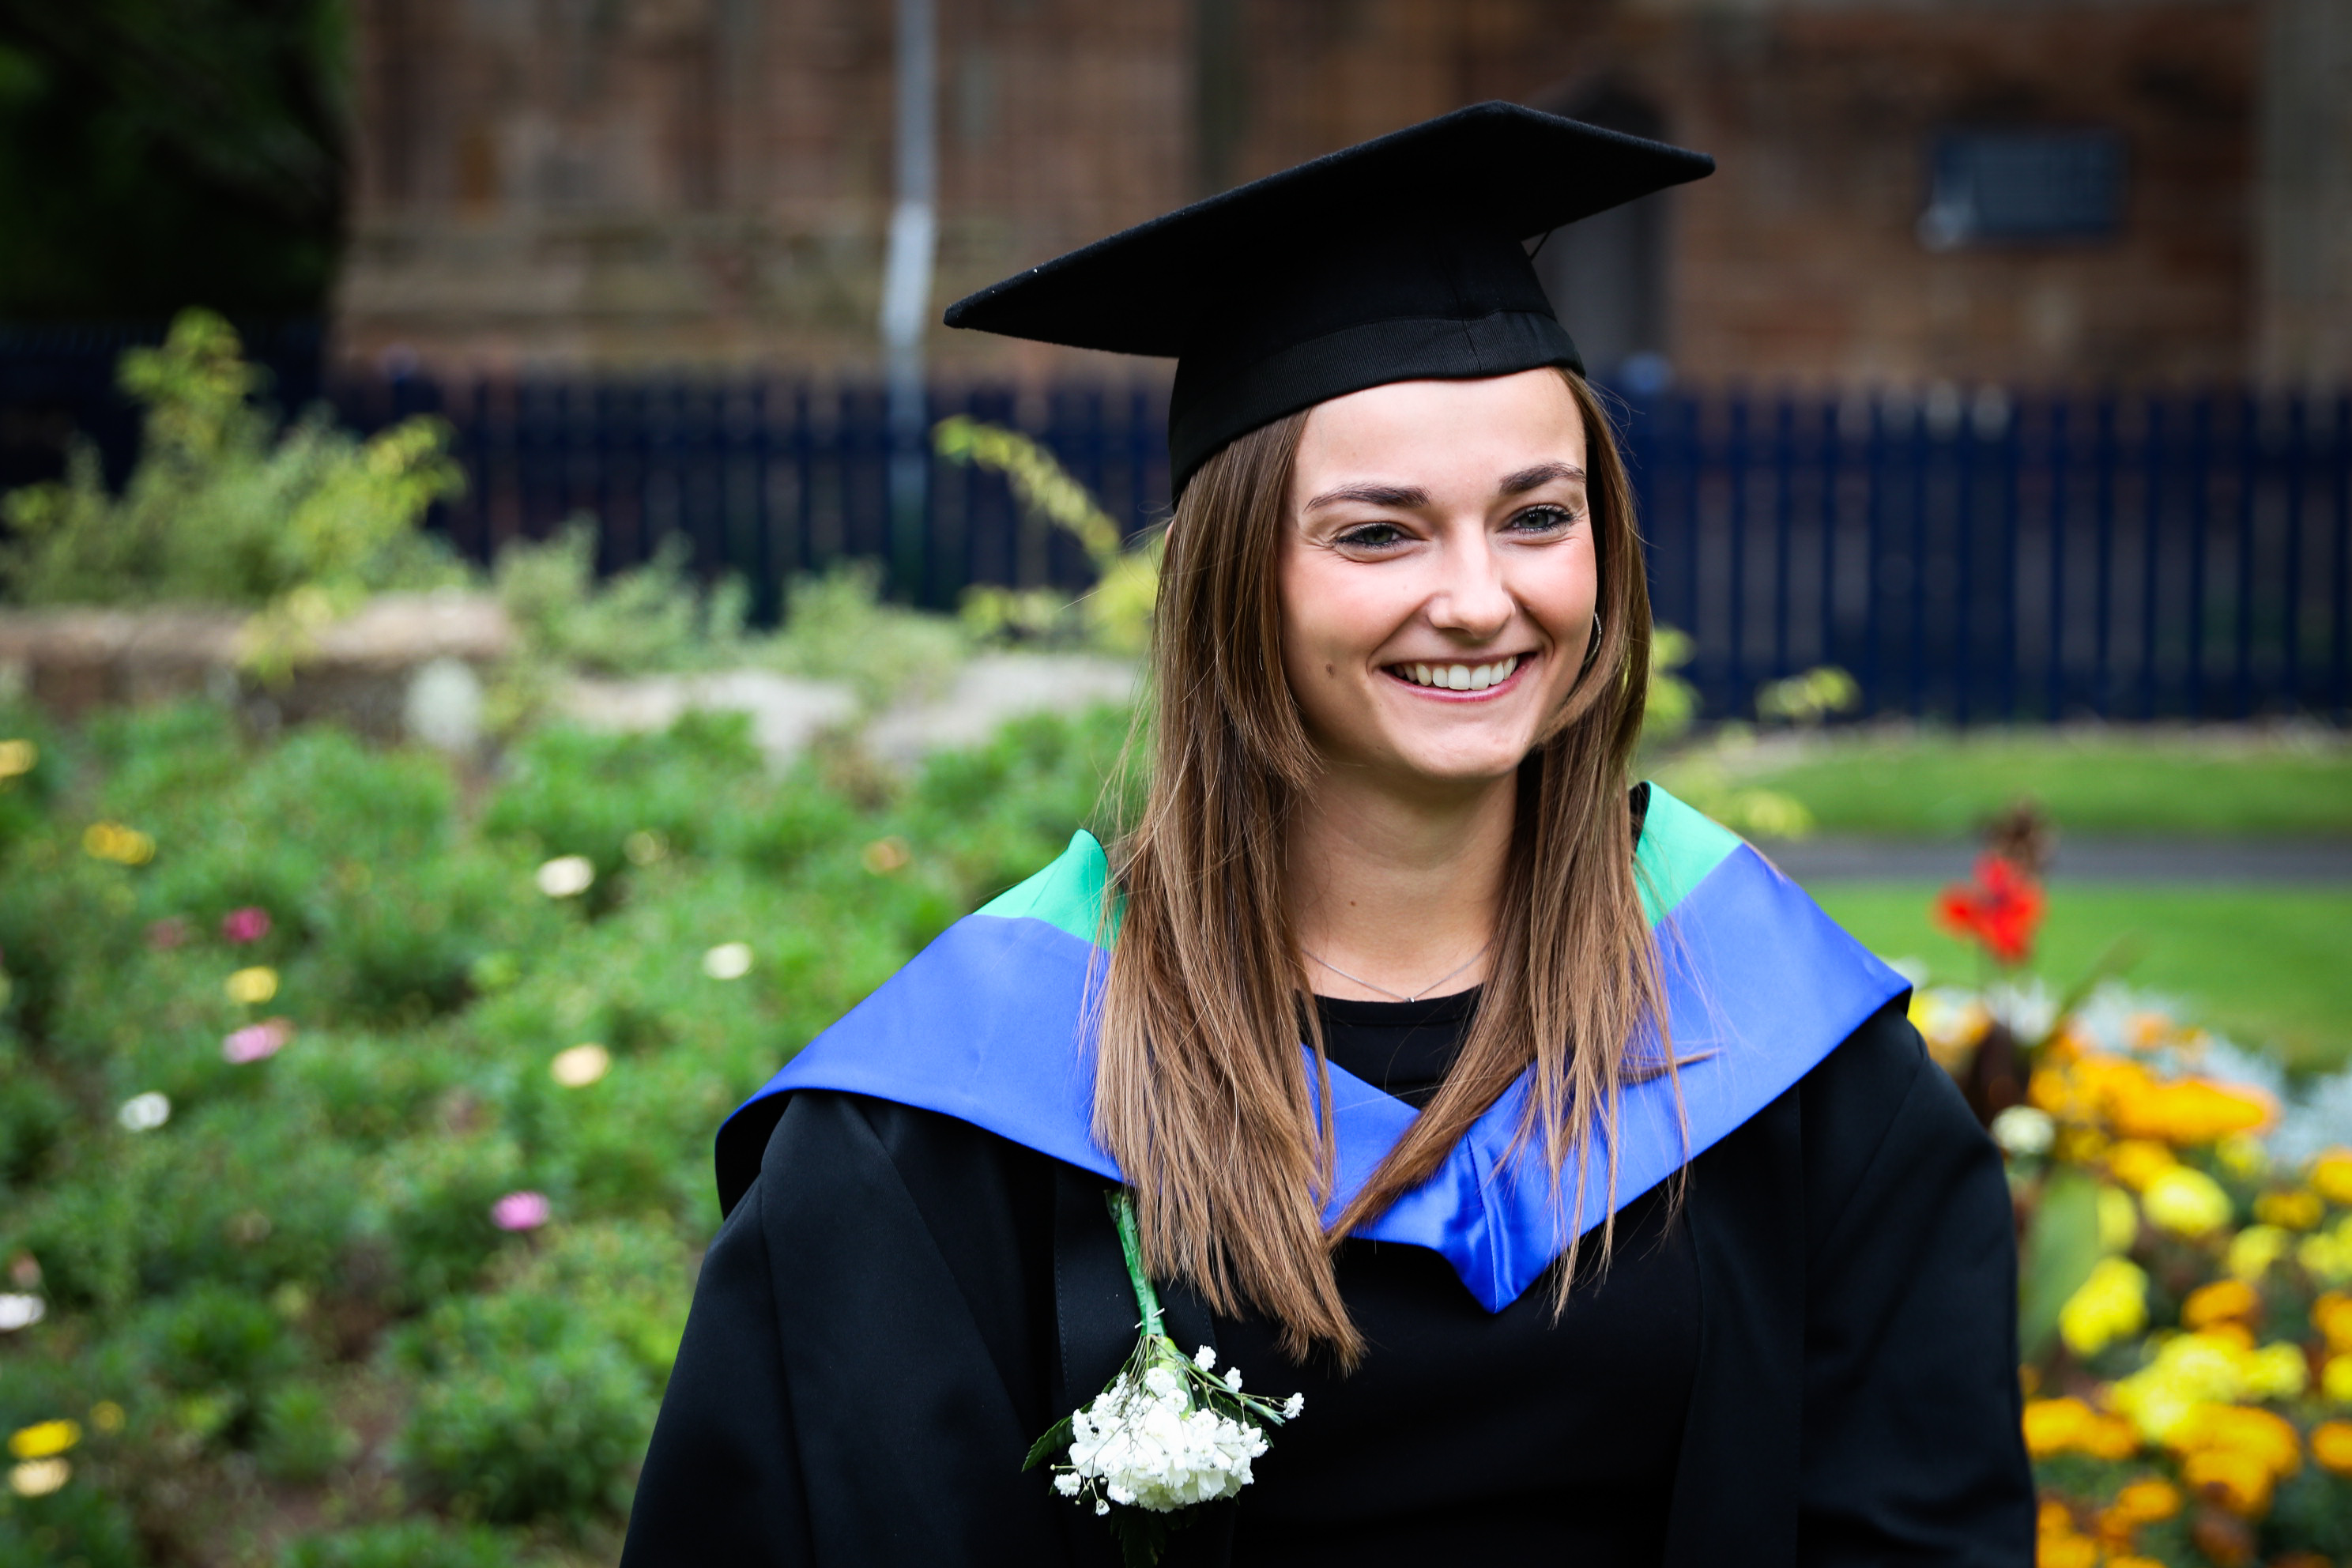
(2277, 1372)
(2185, 1202)
(2187, 1373)
(2224, 1300)
(2331, 1176)
(2051, 1426)
(113, 841)
(44, 1439)
(2327, 1254)
(17, 757)
(2336, 1379)
(2112, 1304)
(2253, 1249)
(2118, 1219)
(2136, 1162)
(105, 1415)
(2263, 1434)
(2243, 1155)
(2331, 1444)
(2297, 1209)
(252, 986)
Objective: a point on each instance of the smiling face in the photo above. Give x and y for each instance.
(1437, 575)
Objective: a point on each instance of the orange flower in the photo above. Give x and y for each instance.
(2237, 1481)
(2147, 1502)
(2191, 1110)
(2331, 1444)
(2332, 1316)
(2136, 1162)
(2222, 1301)
(2224, 1446)
(2054, 1425)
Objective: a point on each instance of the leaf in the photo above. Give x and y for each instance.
(1056, 1438)
(2061, 1250)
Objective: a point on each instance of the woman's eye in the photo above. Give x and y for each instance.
(1544, 520)
(1371, 536)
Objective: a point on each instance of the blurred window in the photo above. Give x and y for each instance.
(2023, 187)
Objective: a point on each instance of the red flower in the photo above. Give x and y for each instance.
(2001, 909)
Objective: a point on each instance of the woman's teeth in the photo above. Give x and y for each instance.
(1460, 677)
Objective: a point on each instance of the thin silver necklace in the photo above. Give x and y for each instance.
(1416, 996)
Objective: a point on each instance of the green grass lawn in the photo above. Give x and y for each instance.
(2268, 966)
(1932, 783)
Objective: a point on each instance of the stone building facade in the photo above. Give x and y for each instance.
(1910, 190)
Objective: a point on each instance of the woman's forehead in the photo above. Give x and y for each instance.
(1507, 434)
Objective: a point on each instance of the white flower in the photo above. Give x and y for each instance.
(1293, 1406)
(567, 876)
(2024, 1130)
(144, 1113)
(727, 961)
(1148, 1446)
(21, 1312)
(1207, 1358)
(1232, 1378)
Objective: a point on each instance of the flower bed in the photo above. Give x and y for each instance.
(354, 1127)
(2185, 1217)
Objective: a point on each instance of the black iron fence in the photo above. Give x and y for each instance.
(1974, 556)
(1993, 557)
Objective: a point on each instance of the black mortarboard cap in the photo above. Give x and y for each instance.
(1400, 258)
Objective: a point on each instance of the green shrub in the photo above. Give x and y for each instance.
(646, 618)
(78, 1526)
(222, 506)
(521, 1436)
(410, 1543)
(301, 1440)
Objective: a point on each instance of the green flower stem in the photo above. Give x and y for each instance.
(1130, 1244)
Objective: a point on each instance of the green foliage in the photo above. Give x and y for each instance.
(1116, 615)
(224, 509)
(837, 627)
(646, 619)
(302, 1441)
(410, 1543)
(297, 1274)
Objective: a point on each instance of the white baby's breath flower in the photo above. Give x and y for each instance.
(1293, 1406)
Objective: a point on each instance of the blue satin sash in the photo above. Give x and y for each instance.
(985, 1025)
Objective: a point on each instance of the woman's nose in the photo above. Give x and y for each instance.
(1471, 598)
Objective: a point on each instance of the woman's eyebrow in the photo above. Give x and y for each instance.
(1373, 495)
(1541, 474)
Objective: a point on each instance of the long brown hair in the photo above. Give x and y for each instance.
(1202, 1091)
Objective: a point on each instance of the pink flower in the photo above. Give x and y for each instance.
(167, 933)
(520, 1211)
(256, 1041)
(248, 924)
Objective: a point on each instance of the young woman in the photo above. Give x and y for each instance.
(1589, 1185)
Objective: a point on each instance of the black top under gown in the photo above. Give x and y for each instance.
(1823, 1340)
(1467, 1436)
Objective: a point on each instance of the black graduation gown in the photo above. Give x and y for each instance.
(901, 1303)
